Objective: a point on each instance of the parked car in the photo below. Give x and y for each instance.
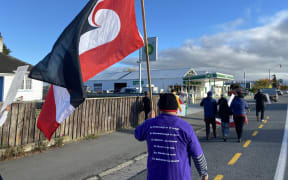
(129, 90)
(280, 93)
(146, 88)
(108, 91)
(272, 92)
(285, 91)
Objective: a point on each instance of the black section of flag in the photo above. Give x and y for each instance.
(61, 66)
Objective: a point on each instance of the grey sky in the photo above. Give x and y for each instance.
(253, 51)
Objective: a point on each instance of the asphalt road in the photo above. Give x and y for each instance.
(85, 159)
(258, 153)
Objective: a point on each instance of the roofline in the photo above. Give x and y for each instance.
(189, 71)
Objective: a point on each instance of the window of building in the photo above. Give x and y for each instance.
(26, 83)
(97, 87)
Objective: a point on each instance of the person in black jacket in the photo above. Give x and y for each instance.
(146, 104)
(224, 114)
(260, 104)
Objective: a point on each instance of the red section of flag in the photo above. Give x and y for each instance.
(128, 40)
(47, 119)
(231, 123)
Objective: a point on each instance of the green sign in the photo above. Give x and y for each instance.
(209, 75)
(150, 49)
(137, 82)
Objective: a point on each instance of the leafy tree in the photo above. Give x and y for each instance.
(6, 51)
(284, 87)
(261, 84)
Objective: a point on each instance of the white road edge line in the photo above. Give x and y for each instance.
(281, 166)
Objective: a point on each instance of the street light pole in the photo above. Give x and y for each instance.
(280, 65)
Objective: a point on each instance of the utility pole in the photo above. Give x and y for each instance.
(140, 72)
(244, 80)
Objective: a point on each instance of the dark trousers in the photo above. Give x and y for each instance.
(209, 121)
(239, 123)
(258, 109)
(146, 114)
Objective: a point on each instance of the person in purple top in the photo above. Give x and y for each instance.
(171, 143)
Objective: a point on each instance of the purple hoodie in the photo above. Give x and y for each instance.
(171, 142)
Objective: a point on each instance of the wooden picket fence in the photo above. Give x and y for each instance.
(94, 116)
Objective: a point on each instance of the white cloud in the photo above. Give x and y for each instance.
(252, 50)
(232, 25)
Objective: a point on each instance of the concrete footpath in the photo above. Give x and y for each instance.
(112, 156)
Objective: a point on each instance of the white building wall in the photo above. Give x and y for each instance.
(165, 83)
(35, 93)
(160, 83)
(7, 82)
(106, 85)
(217, 90)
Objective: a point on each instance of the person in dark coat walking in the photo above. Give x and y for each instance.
(210, 110)
(147, 104)
(224, 114)
(238, 108)
(260, 104)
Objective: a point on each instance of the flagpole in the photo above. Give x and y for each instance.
(147, 53)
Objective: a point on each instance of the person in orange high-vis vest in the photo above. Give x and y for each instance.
(178, 101)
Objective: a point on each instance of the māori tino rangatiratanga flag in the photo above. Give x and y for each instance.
(103, 33)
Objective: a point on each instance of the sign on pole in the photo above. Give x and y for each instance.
(152, 49)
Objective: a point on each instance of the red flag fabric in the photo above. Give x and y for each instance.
(231, 121)
(102, 34)
(116, 25)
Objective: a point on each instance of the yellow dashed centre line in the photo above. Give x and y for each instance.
(255, 133)
(260, 126)
(246, 144)
(219, 177)
(234, 159)
(237, 155)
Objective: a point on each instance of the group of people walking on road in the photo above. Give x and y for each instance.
(233, 115)
(171, 141)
